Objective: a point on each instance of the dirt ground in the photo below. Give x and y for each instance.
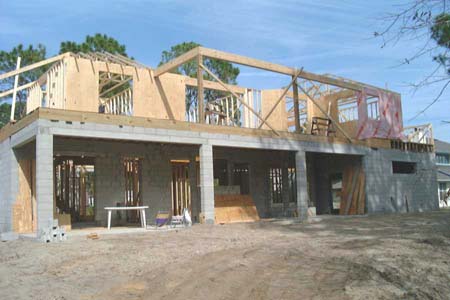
(374, 257)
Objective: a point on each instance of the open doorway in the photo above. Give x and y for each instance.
(75, 188)
(241, 177)
(337, 183)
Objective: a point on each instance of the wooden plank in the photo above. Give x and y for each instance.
(183, 58)
(207, 84)
(260, 64)
(22, 87)
(34, 66)
(16, 82)
(200, 93)
(296, 104)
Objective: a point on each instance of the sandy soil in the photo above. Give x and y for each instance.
(376, 257)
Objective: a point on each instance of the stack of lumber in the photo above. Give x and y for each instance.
(234, 208)
(353, 196)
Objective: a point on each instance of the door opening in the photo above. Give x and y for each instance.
(74, 188)
(181, 188)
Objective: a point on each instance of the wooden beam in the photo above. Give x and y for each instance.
(200, 93)
(260, 64)
(325, 113)
(296, 104)
(237, 97)
(294, 78)
(16, 82)
(183, 58)
(212, 85)
(9, 92)
(33, 66)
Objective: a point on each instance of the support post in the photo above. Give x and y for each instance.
(16, 83)
(302, 184)
(206, 184)
(44, 178)
(296, 104)
(200, 93)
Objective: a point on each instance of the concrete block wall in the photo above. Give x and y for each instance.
(8, 184)
(387, 192)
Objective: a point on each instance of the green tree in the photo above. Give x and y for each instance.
(222, 69)
(440, 32)
(97, 43)
(8, 61)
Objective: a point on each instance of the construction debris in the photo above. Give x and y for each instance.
(53, 233)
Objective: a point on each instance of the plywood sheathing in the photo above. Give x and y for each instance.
(24, 209)
(82, 85)
(278, 118)
(162, 97)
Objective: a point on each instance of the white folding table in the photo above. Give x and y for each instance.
(140, 208)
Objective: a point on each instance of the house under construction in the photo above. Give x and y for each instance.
(103, 130)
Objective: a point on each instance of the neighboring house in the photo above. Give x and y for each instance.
(443, 170)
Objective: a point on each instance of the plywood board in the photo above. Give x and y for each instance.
(161, 98)
(81, 85)
(234, 208)
(24, 209)
(278, 118)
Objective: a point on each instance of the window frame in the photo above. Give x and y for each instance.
(444, 154)
(276, 173)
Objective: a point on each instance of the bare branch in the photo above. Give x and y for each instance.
(432, 102)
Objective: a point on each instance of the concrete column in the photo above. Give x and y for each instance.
(302, 184)
(44, 178)
(194, 188)
(206, 184)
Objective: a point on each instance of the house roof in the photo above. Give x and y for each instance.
(441, 146)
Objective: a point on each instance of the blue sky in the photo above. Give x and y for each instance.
(321, 36)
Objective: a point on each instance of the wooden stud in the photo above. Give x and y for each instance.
(200, 93)
(296, 105)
